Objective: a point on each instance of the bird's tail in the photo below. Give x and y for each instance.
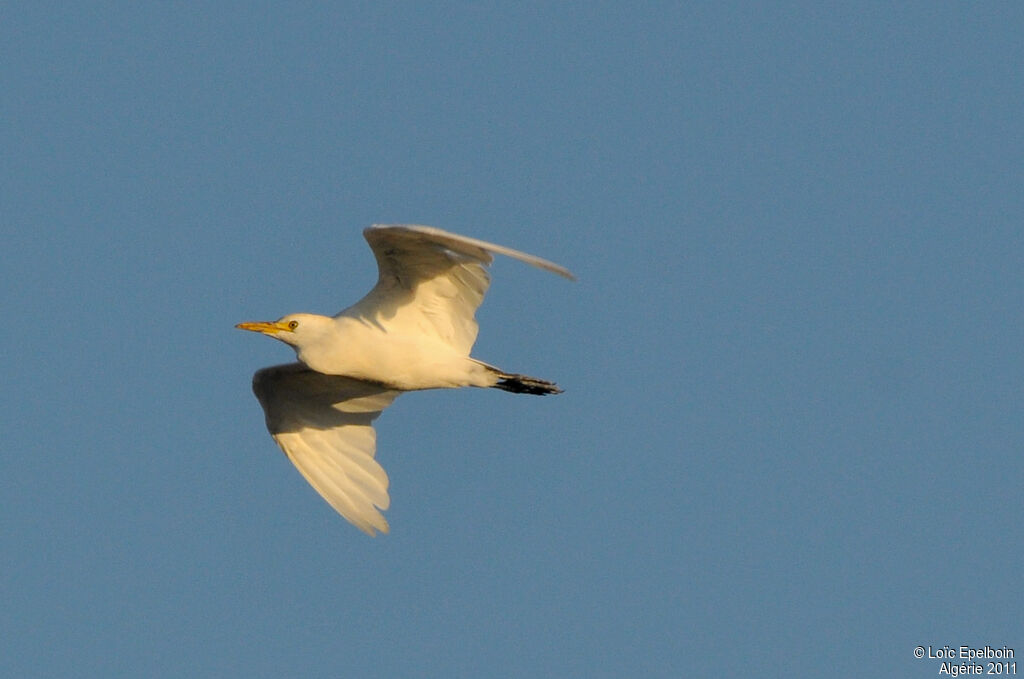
(522, 384)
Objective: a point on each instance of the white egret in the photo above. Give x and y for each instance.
(414, 330)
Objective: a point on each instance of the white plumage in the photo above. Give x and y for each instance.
(414, 330)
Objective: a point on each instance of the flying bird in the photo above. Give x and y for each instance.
(414, 330)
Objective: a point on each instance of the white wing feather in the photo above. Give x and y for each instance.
(324, 424)
(431, 282)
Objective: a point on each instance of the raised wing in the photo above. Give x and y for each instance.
(324, 424)
(431, 282)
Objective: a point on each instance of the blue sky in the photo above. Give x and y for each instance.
(790, 442)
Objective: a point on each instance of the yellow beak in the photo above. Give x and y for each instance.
(266, 327)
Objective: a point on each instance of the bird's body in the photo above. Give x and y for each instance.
(413, 331)
(345, 345)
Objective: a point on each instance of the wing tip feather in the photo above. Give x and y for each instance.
(533, 260)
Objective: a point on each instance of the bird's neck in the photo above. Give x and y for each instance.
(325, 351)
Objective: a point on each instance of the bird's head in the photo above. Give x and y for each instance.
(294, 329)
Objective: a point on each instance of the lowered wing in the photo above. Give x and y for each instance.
(324, 424)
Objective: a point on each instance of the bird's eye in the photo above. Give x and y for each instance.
(292, 325)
